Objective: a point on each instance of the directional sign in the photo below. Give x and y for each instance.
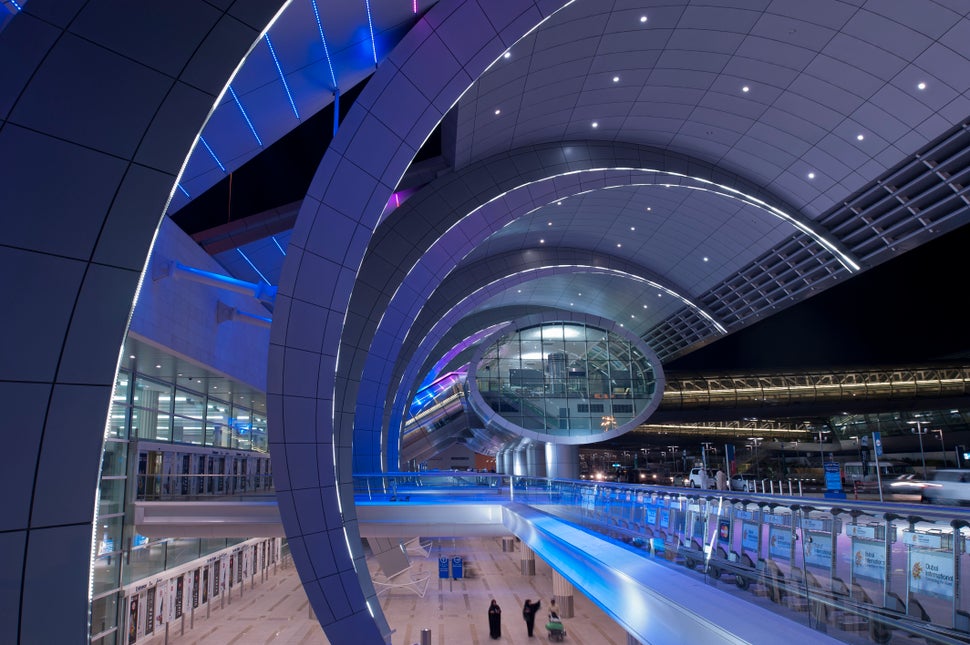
(457, 566)
(442, 568)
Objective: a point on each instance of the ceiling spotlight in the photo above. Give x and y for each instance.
(706, 259)
(921, 86)
(616, 79)
(633, 228)
(507, 55)
(643, 18)
(644, 306)
(542, 241)
(497, 111)
(618, 245)
(745, 89)
(649, 209)
(632, 316)
(595, 124)
(158, 367)
(132, 357)
(558, 203)
(548, 223)
(811, 175)
(860, 137)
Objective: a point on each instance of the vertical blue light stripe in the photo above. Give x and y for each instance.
(273, 237)
(326, 50)
(202, 139)
(182, 188)
(253, 266)
(279, 69)
(370, 23)
(245, 116)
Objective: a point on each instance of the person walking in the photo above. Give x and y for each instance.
(494, 620)
(529, 610)
(721, 479)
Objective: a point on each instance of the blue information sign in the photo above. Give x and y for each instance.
(877, 442)
(833, 476)
(442, 567)
(457, 566)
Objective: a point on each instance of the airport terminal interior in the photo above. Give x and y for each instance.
(332, 322)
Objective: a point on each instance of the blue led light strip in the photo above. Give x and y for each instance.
(238, 250)
(282, 77)
(16, 6)
(370, 23)
(182, 188)
(282, 250)
(326, 50)
(221, 167)
(245, 116)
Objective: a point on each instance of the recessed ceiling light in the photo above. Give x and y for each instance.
(572, 304)
(649, 209)
(921, 86)
(518, 291)
(507, 55)
(498, 111)
(811, 175)
(643, 18)
(633, 228)
(558, 203)
(644, 306)
(595, 124)
(215, 387)
(745, 89)
(158, 367)
(706, 259)
(618, 245)
(616, 79)
(542, 241)
(580, 293)
(548, 223)
(860, 137)
(132, 357)
(621, 324)
(632, 316)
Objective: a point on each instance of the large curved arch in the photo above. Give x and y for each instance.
(309, 406)
(139, 93)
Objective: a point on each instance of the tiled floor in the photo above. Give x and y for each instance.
(276, 611)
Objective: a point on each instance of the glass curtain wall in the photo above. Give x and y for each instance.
(151, 409)
(564, 376)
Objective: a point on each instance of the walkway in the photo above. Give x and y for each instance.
(277, 611)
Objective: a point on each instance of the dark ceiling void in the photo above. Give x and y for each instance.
(278, 176)
(909, 310)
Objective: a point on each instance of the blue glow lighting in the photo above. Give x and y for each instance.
(282, 250)
(370, 23)
(245, 116)
(279, 69)
(16, 6)
(326, 50)
(249, 262)
(182, 188)
(221, 167)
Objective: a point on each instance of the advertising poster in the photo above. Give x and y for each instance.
(232, 570)
(205, 584)
(931, 572)
(239, 566)
(226, 580)
(179, 592)
(150, 610)
(665, 518)
(724, 530)
(749, 536)
(216, 566)
(868, 559)
(651, 515)
(133, 619)
(160, 604)
(779, 542)
(818, 550)
(196, 575)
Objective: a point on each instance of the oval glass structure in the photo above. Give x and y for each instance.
(565, 382)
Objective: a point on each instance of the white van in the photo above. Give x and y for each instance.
(852, 471)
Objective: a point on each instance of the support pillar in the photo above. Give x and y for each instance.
(518, 461)
(528, 560)
(562, 592)
(562, 461)
(500, 462)
(508, 456)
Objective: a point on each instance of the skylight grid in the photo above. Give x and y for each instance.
(239, 104)
(279, 69)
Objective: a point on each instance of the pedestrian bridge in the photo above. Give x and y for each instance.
(676, 565)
